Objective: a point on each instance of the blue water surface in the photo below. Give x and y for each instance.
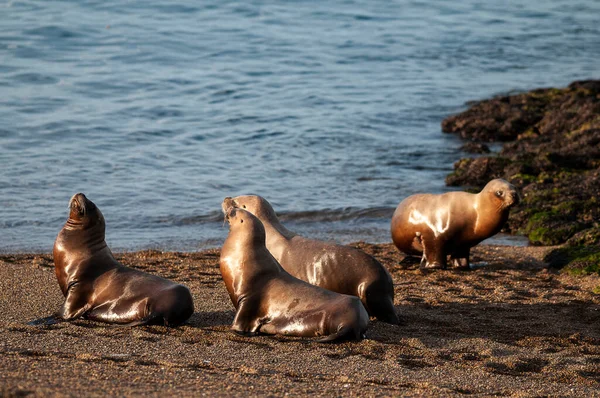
(329, 109)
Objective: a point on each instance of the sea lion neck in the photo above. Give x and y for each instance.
(84, 232)
(491, 214)
(275, 229)
(96, 227)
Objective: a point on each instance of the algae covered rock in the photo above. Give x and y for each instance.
(578, 260)
(551, 153)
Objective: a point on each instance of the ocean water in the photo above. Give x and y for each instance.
(330, 110)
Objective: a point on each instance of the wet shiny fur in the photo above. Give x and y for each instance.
(98, 287)
(269, 300)
(437, 226)
(338, 268)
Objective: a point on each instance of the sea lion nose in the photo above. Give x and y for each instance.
(77, 200)
(230, 212)
(516, 198)
(78, 196)
(227, 203)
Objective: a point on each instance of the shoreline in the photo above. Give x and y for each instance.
(513, 327)
(503, 239)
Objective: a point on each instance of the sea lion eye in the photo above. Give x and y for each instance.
(499, 194)
(244, 206)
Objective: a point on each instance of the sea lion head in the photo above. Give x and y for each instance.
(502, 193)
(83, 211)
(255, 204)
(243, 223)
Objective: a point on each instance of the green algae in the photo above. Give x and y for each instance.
(576, 260)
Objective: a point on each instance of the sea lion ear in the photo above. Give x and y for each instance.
(241, 220)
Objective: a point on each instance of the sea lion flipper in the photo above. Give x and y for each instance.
(246, 322)
(434, 256)
(344, 333)
(460, 260)
(47, 321)
(76, 303)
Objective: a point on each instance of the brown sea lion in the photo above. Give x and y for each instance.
(269, 300)
(99, 288)
(342, 269)
(451, 223)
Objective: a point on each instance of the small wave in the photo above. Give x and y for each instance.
(35, 78)
(325, 215)
(52, 32)
(212, 217)
(342, 214)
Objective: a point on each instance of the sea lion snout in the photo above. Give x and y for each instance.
(510, 196)
(504, 191)
(228, 202)
(513, 198)
(78, 203)
(229, 212)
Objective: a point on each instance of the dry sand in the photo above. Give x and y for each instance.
(511, 328)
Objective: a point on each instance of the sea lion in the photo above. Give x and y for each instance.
(342, 269)
(451, 223)
(99, 288)
(271, 301)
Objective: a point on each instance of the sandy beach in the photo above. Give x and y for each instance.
(332, 111)
(509, 328)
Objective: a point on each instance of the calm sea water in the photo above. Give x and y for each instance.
(329, 109)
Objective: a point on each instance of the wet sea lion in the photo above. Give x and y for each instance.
(342, 269)
(271, 301)
(99, 288)
(451, 223)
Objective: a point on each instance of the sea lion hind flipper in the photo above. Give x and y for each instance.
(47, 321)
(434, 255)
(344, 333)
(385, 311)
(379, 304)
(73, 308)
(460, 260)
(149, 320)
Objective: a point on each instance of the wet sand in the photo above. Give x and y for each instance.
(510, 328)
